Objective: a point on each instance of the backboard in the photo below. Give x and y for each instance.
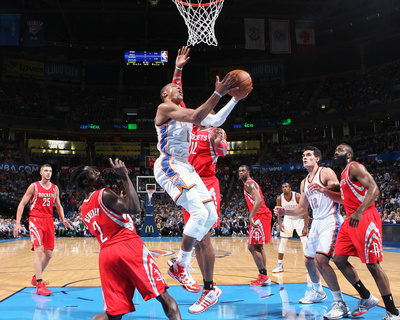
(143, 183)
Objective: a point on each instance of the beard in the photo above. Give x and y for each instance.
(340, 161)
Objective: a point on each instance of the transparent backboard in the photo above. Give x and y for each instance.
(143, 183)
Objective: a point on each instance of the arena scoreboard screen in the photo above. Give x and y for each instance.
(146, 58)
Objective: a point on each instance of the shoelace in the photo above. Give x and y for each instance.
(202, 298)
(46, 283)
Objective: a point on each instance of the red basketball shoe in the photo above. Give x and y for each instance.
(42, 290)
(261, 281)
(181, 274)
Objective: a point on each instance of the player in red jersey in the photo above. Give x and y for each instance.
(361, 233)
(260, 225)
(42, 195)
(206, 145)
(125, 263)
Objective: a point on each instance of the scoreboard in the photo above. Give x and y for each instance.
(146, 58)
(150, 160)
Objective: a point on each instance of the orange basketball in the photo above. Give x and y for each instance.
(244, 82)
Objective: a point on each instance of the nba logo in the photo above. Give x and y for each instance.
(164, 56)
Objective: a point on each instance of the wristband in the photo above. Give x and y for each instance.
(218, 94)
(178, 68)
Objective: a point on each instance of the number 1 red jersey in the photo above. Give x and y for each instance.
(106, 225)
(202, 152)
(42, 200)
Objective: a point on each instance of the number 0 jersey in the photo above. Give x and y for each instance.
(106, 225)
(174, 139)
(42, 200)
(203, 155)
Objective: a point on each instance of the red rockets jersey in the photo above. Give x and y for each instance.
(106, 225)
(42, 200)
(202, 152)
(250, 201)
(353, 193)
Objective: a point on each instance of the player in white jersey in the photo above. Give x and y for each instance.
(323, 232)
(289, 200)
(177, 176)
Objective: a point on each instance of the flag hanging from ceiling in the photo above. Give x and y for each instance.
(33, 28)
(305, 36)
(9, 29)
(254, 33)
(279, 34)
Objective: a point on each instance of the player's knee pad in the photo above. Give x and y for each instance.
(198, 217)
(303, 242)
(282, 245)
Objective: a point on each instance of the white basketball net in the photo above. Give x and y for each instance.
(200, 19)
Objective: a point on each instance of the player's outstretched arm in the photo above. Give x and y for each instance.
(169, 110)
(123, 204)
(181, 59)
(216, 120)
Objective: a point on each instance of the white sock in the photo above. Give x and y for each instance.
(280, 261)
(337, 295)
(184, 257)
(318, 286)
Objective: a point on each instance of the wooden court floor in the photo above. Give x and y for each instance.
(75, 263)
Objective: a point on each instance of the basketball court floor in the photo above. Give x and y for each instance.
(75, 282)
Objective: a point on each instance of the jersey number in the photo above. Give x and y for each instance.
(314, 204)
(46, 202)
(193, 147)
(97, 227)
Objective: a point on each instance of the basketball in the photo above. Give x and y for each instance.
(245, 83)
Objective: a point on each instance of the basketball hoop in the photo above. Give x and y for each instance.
(150, 193)
(200, 17)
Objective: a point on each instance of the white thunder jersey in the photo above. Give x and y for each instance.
(289, 205)
(174, 139)
(321, 205)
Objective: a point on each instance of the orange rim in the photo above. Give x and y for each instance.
(198, 4)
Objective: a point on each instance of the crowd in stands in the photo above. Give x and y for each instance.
(234, 211)
(71, 103)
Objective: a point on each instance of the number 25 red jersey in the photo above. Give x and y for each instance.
(42, 200)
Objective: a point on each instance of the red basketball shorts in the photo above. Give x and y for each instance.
(42, 232)
(261, 234)
(212, 184)
(365, 241)
(124, 267)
